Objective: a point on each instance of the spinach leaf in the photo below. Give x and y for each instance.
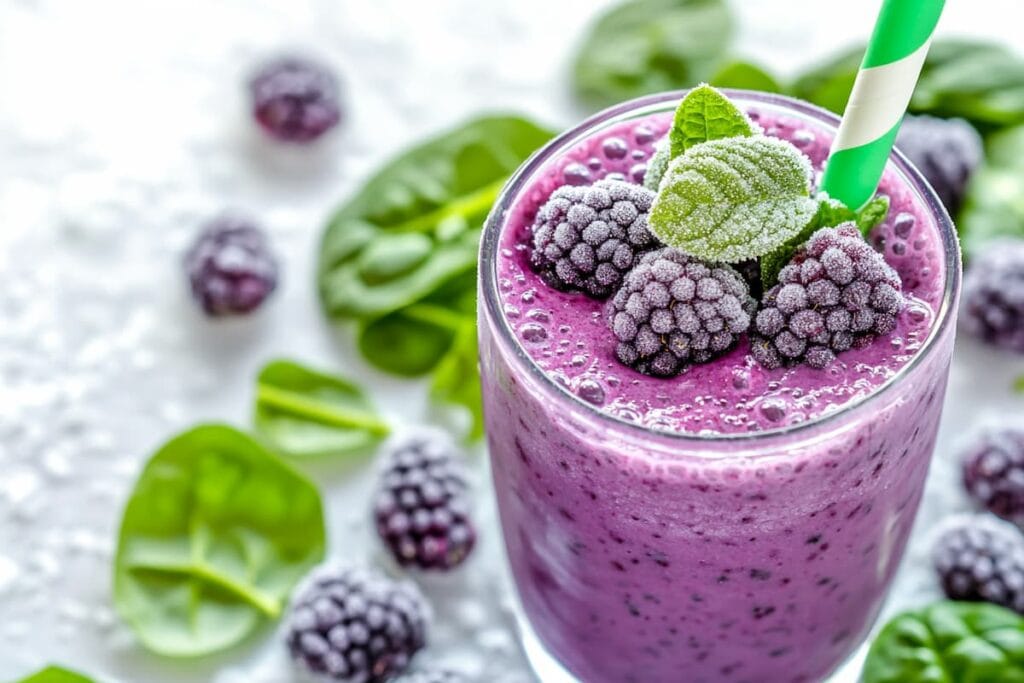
(55, 674)
(646, 46)
(949, 641)
(980, 81)
(994, 205)
(745, 76)
(215, 535)
(1018, 385)
(457, 377)
(301, 412)
(416, 223)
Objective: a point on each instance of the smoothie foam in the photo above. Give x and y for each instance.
(641, 555)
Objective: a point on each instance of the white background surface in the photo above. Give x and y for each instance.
(123, 127)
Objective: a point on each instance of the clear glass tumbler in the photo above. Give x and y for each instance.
(648, 556)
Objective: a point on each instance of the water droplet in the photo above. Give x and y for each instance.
(803, 138)
(773, 411)
(643, 134)
(615, 148)
(576, 174)
(538, 315)
(533, 333)
(903, 225)
(591, 392)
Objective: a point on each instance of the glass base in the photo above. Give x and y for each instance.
(547, 669)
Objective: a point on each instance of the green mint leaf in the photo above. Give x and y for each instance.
(949, 641)
(872, 215)
(657, 166)
(641, 47)
(704, 115)
(734, 199)
(55, 674)
(301, 412)
(830, 213)
(215, 534)
(745, 76)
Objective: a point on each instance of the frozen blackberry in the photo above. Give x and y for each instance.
(295, 99)
(230, 267)
(586, 238)
(994, 473)
(946, 151)
(422, 504)
(993, 308)
(433, 676)
(835, 293)
(355, 625)
(982, 559)
(673, 311)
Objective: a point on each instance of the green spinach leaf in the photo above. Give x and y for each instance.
(416, 223)
(994, 206)
(301, 412)
(457, 377)
(980, 81)
(1018, 385)
(55, 674)
(646, 46)
(745, 76)
(948, 642)
(215, 535)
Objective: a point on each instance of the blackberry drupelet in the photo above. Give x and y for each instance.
(422, 507)
(946, 151)
(355, 625)
(295, 99)
(433, 676)
(982, 559)
(993, 471)
(230, 267)
(586, 238)
(993, 307)
(836, 293)
(673, 311)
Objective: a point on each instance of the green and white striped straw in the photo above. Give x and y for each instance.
(881, 93)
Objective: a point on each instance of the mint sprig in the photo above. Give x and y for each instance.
(706, 114)
(829, 214)
(733, 199)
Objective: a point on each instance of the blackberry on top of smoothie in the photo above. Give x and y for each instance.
(684, 273)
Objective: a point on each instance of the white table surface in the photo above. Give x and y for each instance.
(122, 127)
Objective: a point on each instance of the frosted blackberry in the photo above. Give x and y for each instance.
(586, 238)
(355, 625)
(946, 151)
(295, 99)
(836, 293)
(435, 676)
(230, 267)
(673, 311)
(982, 560)
(422, 504)
(993, 307)
(993, 472)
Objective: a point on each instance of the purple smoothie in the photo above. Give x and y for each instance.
(671, 530)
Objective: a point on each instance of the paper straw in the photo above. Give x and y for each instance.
(881, 93)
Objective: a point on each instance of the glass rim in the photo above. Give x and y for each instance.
(490, 240)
